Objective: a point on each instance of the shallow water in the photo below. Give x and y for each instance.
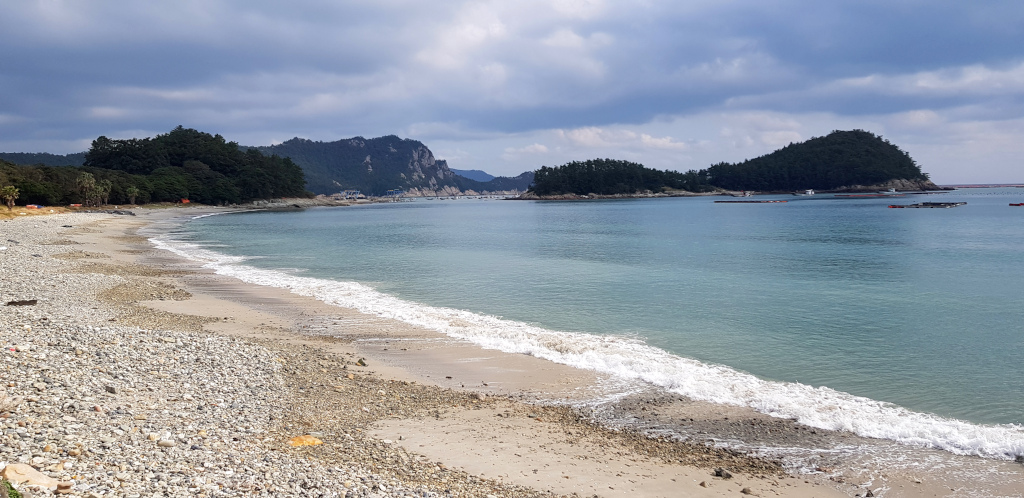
(842, 314)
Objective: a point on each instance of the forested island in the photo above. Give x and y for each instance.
(839, 159)
(847, 160)
(183, 164)
(612, 177)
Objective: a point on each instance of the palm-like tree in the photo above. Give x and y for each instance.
(9, 194)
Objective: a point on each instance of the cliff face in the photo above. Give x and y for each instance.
(373, 165)
(376, 165)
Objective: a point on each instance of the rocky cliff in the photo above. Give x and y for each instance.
(376, 165)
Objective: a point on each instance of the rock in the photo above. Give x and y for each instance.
(746, 491)
(869, 494)
(361, 362)
(111, 389)
(724, 474)
(27, 302)
(19, 473)
(65, 487)
(304, 441)
(703, 484)
(165, 443)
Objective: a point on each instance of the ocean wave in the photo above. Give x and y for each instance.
(627, 358)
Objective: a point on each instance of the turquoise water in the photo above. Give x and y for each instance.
(921, 308)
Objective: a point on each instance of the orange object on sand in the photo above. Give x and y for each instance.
(304, 441)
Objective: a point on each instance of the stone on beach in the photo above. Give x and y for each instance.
(20, 473)
(305, 440)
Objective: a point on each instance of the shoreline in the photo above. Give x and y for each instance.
(486, 427)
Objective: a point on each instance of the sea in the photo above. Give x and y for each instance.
(904, 325)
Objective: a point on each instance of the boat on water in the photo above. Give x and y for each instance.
(1019, 204)
(743, 193)
(749, 202)
(809, 191)
(932, 205)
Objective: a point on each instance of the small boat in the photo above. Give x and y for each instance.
(932, 205)
(748, 202)
(809, 191)
(1019, 204)
(742, 193)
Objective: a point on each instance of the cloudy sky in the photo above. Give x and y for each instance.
(508, 86)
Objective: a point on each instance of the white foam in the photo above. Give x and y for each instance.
(627, 358)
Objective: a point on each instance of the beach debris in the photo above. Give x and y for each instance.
(361, 362)
(1019, 459)
(724, 474)
(27, 302)
(20, 473)
(305, 440)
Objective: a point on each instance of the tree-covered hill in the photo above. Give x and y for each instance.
(376, 165)
(611, 177)
(181, 164)
(497, 183)
(474, 174)
(839, 159)
(189, 164)
(44, 158)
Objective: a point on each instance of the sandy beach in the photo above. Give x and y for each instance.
(138, 373)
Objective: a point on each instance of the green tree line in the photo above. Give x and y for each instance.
(842, 158)
(610, 177)
(182, 164)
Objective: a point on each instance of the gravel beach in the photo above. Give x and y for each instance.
(107, 394)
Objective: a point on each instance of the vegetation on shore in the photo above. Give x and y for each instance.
(182, 164)
(840, 159)
(611, 177)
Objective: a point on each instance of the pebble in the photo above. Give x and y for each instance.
(99, 380)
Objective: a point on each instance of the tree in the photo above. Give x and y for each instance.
(86, 184)
(103, 188)
(132, 192)
(9, 194)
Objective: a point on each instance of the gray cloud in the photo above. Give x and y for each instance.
(515, 77)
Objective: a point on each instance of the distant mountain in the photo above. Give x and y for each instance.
(498, 183)
(44, 158)
(474, 174)
(841, 159)
(376, 165)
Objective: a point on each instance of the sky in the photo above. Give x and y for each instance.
(509, 86)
